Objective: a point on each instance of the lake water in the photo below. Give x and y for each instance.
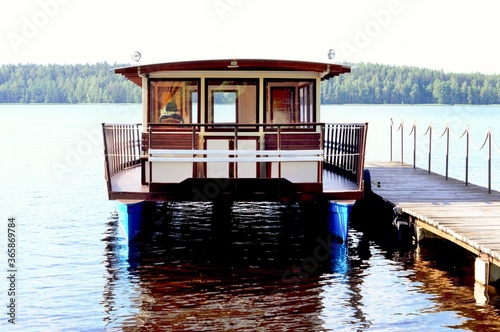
(259, 268)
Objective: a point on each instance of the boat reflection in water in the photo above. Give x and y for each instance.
(206, 267)
(262, 266)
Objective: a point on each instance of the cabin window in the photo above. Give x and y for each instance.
(290, 101)
(224, 106)
(233, 101)
(173, 101)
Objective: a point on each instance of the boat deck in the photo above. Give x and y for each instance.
(129, 180)
(335, 187)
(291, 166)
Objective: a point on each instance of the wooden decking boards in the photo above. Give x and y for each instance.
(129, 180)
(467, 215)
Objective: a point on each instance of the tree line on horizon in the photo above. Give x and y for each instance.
(73, 84)
(384, 84)
(366, 84)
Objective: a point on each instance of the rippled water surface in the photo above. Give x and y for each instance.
(245, 267)
(269, 270)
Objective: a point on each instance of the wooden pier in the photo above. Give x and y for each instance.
(466, 215)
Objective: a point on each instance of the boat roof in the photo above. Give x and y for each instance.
(327, 70)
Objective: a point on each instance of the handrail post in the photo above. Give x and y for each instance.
(430, 148)
(328, 144)
(139, 141)
(467, 157)
(106, 158)
(414, 145)
(322, 147)
(325, 143)
(235, 165)
(279, 149)
(150, 138)
(361, 151)
(447, 149)
(402, 142)
(489, 161)
(391, 127)
(193, 146)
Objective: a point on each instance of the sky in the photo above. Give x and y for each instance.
(454, 36)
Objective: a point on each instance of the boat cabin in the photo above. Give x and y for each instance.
(241, 129)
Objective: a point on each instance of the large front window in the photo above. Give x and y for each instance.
(173, 101)
(290, 101)
(232, 101)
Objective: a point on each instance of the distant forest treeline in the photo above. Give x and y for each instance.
(383, 84)
(366, 84)
(89, 83)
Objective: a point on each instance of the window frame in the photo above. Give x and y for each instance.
(233, 86)
(304, 103)
(185, 100)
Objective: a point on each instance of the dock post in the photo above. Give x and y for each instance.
(485, 275)
(481, 271)
(481, 276)
(421, 233)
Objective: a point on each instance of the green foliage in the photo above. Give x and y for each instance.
(383, 84)
(366, 84)
(96, 83)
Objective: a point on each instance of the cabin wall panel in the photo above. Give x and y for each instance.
(218, 169)
(172, 172)
(247, 105)
(300, 171)
(247, 169)
(303, 171)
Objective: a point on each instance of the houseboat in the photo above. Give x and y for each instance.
(232, 130)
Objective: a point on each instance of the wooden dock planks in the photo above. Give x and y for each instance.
(467, 215)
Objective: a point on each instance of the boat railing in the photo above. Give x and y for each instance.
(339, 147)
(278, 136)
(238, 145)
(122, 147)
(344, 150)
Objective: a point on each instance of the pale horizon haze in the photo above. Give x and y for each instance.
(454, 36)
